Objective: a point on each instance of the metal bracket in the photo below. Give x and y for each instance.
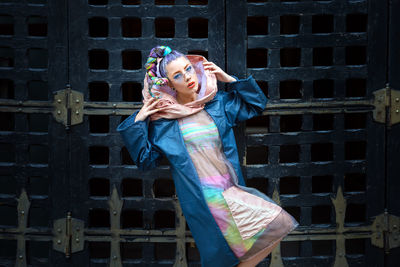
(68, 235)
(387, 106)
(68, 106)
(386, 233)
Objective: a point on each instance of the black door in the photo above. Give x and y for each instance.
(325, 148)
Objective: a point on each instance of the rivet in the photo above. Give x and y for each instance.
(20, 102)
(77, 112)
(394, 226)
(147, 232)
(58, 112)
(77, 100)
(19, 109)
(115, 212)
(58, 241)
(113, 112)
(397, 111)
(147, 239)
(59, 100)
(114, 105)
(22, 212)
(397, 99)
(115, 257)
(59, 230)
(181, 258)
(20, 256)
(77, 240)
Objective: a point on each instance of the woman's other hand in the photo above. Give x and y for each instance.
(147, 109)
(219, 73)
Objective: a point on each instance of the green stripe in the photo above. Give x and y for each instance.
(201, 137)
(198, 128)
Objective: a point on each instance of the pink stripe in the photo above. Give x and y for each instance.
(223, 181)
(220, 216)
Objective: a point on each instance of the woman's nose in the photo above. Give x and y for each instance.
(187, 75)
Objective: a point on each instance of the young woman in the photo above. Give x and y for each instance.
(185, 118)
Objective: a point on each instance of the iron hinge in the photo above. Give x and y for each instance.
(68, 106)
(387, 106)
(386, 232)
(68, 235)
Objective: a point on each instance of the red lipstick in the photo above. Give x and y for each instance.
(191, 85)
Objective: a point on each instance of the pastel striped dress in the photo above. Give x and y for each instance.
(249, 220)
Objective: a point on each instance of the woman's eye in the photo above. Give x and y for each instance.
(189, 68)
(177, 76)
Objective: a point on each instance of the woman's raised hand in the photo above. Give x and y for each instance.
(147, 109)
(219, 73)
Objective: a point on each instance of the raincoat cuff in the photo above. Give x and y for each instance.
(247, 85)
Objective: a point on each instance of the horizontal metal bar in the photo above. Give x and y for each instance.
(309, 231)
(127, 108)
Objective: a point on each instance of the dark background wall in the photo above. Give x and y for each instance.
(71, 71)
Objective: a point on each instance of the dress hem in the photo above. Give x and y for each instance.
(272, 244)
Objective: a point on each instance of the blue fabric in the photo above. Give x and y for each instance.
(147, 141)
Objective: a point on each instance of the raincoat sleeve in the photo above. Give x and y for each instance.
(243, 100)
(135, 136)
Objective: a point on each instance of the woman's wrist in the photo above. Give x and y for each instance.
(231, 79)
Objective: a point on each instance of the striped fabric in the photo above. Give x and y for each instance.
(215, 172)
(199, 136)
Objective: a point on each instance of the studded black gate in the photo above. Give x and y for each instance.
(325, 147)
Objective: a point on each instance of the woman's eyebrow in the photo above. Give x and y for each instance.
(178, 70)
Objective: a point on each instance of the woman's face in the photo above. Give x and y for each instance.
(182, 76)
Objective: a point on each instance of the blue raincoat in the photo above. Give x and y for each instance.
(147, 141)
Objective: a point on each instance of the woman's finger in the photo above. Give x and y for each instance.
(150, 102)
(153, 111)
(152, 105)
(209, 67)
(145, 104)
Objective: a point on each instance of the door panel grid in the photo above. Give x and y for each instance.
(316, 149)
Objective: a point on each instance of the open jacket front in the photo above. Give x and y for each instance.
(147, 141)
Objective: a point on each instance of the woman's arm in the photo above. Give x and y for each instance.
(243, 100)
(135, 136)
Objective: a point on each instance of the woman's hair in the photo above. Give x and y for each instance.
(167, 55)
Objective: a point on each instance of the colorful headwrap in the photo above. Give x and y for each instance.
(155, 56)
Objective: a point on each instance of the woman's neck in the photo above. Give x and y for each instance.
(185, 98)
